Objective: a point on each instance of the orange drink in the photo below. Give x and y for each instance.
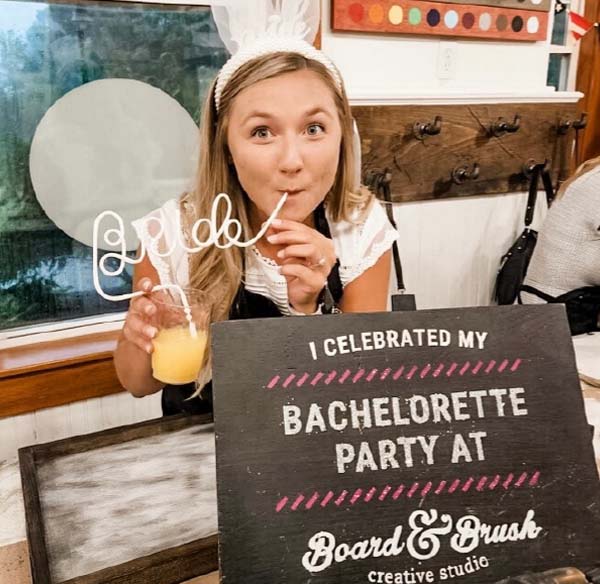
(182, 335)
(177, 355)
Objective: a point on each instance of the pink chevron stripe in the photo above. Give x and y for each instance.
(494, 483)
(508, 480)
(301, 381)
(398, 492)
(412, 371)
(289, 379)
(316, 378)
(425, 371)
(464, 368)
(330, 377)
(326, 499)
(440, 487)
(477, 367)
(481, 483)
(385, 492)
(412, 490)
(490, 366)
(344, 376)
(451, 369)
(467, 485)
(398, 373)
(273, 382)
(356, 496)
(370, 494)
(385, 373)
(372, 374)
(439, 369)
(515, 365)
(358, 375)
(502, 366)
(312, 500)
(341, 498)
(521, 479)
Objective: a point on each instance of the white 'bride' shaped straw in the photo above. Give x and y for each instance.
(115, 237)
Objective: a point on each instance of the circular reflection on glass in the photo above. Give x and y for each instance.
(117, 144)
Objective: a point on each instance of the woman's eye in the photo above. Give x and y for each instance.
(315, 129)
(261, 133)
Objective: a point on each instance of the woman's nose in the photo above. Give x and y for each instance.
(291, 160)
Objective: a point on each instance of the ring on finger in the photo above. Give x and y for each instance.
(319, 264)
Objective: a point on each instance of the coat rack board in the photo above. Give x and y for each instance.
(436, 152)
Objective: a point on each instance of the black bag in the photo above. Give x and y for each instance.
(582, 304)
(514, 263)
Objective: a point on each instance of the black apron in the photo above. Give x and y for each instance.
(245, 305)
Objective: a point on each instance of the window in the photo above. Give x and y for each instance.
(48, 49)
(562, 62)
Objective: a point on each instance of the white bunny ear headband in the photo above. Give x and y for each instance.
(253, 28)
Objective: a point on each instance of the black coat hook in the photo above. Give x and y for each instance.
(423, 129)
(581, 122)
(502, 126)
(529, 166)
(564, 125)
(462, 174)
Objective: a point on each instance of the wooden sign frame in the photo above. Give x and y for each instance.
(169, 566)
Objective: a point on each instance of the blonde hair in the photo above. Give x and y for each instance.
(219, 271)
(585, 167)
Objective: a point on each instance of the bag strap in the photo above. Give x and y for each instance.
(538, 170)
(536, 292)
(384, 187)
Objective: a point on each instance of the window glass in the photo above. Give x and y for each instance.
(46, 50)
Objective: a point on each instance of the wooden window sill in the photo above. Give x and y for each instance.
(54, 373)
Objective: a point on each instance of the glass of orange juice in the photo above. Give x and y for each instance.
(179, 346)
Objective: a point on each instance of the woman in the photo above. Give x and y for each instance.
(281, 123)
(565, 265)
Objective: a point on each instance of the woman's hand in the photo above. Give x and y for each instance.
(307, 258)
(138, 328)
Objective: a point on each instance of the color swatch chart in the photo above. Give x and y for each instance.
(443, 19)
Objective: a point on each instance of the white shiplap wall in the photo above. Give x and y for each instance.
(74, 419)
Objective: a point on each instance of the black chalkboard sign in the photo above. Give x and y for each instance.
(431, 446)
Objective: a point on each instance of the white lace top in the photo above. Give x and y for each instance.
(358, 247)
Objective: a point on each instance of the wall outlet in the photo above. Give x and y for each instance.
(446, 64)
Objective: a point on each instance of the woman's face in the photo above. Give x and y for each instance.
(284, 135)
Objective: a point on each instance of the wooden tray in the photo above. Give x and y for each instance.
(100, 509)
